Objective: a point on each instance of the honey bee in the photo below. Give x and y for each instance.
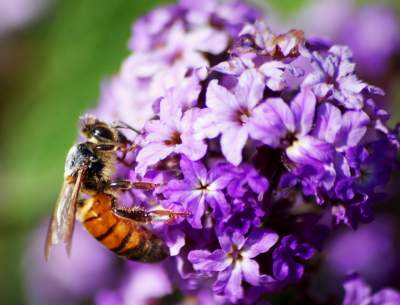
(89, 169)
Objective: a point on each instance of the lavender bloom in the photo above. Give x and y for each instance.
(334, 78)
(234, 261)
(232, 116)
(285, 266)
(277, 125)
(172, 133)
(198, 189)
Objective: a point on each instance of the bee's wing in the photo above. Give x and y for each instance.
(62, 222)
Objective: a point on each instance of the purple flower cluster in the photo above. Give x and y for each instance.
(268, 140)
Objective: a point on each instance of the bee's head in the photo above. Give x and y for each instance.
(97, 131)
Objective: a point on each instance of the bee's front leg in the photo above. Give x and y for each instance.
(125, 147)
(121, 147)
(126, 185)
(123, 125)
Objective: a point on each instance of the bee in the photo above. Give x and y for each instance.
(89, 169)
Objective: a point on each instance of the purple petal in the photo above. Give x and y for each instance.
(150, 154)
(157, 131)
(281, 269)
(386, 296)
(238, 239)
(219, 99)
(225, 242)
(194, 150)
(351, 83)
(232, 142)
(197, 208)
(222, 280)
(218, 179)
(354, 127)
(175, 240)
(203, 260)
(181, 191)
(274, 71)
(328, 122)
(235, 66)
(309, 150)
(303, 108)
(250, 89)
(271, 121)
(259, 241)
(233, 288)
(251, 271)
(218, 202)
(207, 39)
(357, 291)
(193, 171)
(170, 112)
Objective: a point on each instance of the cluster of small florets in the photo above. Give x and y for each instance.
(267, 140)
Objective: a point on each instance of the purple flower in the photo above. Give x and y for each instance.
(229, 113)
(150, 30)
(343, 130)
(198, 189)
(273, 71)
(172, 133)
(181, 51)
(286, 258)
(360, 293)
(334, 78)
(230, 15)
(234, 262)
(276, 124)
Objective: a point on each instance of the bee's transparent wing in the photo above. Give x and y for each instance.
(62, 222)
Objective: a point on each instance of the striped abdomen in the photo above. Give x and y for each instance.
(122, 236)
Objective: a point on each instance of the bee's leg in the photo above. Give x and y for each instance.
(139, 214)
(123, 125)
(126, 185)
(124, 148)
(165, 215)
(116, 147)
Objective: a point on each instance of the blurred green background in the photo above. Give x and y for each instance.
(50, 73)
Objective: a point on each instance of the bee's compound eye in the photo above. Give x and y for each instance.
(103, 134)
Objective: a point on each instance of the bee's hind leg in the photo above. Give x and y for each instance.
(139, 214)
